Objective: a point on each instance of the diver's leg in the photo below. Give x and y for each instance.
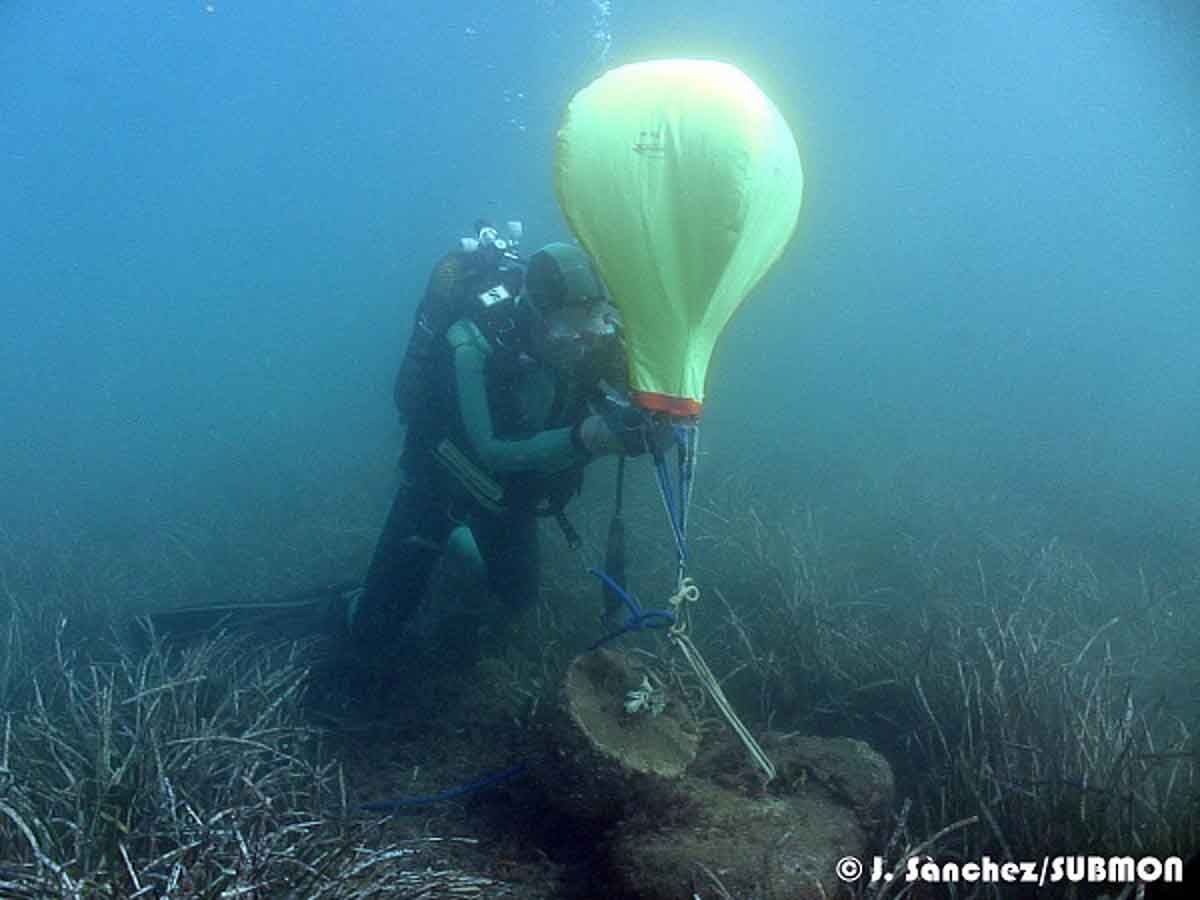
(509, 545)
(463, 559)
(412, 540)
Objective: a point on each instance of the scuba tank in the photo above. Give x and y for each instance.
(487, 269)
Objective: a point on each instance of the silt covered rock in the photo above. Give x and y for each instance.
(781, 841)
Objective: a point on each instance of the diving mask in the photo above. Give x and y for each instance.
(569, 333)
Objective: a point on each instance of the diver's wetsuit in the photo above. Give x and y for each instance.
(501, 415)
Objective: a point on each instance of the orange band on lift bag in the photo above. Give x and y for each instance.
(675, 406)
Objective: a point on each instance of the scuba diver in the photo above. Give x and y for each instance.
(510, 386)
(511, 383)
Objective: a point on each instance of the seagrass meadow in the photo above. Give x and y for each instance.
(1026, 698)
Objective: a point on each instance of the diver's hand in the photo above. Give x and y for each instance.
(659, 434)
(624, 428)
(596, 438)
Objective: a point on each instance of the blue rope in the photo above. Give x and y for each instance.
(396, 804)
(639, 619)
(668, 497)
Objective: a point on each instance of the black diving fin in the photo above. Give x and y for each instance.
(313, 611)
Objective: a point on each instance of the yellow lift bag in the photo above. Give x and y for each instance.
(683, 182)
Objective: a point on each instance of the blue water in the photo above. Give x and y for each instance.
(215, 220)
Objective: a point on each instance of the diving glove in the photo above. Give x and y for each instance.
(617, 426)
(595, 438)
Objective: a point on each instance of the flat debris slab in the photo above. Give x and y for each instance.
(830, 798)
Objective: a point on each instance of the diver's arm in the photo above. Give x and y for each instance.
(546, 452)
